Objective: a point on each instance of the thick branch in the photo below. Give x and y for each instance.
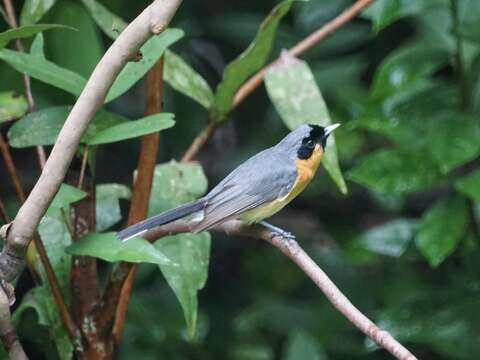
(151, 21)
(8, 335)
(293, 250)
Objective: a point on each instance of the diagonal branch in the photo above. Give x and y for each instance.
(293, 250)
(256, 80)
(152, 20)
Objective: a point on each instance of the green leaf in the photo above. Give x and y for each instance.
(65, 196)
(42, 302)
(292, 89)
(42, 127)
(385, 12)
(407, 66)
(26, 31)
(37, 47)
(441, 229)
(301, 345)
(191, 252)
(248, 62)
(133, 129)
(470, 185)
(453, 140)
(396, 171)
(78, 51)
(108, 247)
(151, 51)
(186, 80)
(12, 106)
(111, 24)
(391, 238)
(33, 10)
(44, 70)
(175, 184)
(107, 204)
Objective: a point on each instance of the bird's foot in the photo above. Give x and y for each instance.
(278, 231)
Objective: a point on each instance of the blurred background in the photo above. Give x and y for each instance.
(402, 244)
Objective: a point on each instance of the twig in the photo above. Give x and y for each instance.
(152, 20)
(140, 200)
(8, 335)
(83, 167)
(11, 169)
(251, 84)
(3, 212)
(199, 142)
(291, 249)
(26, 79)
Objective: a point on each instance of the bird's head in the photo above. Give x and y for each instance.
(306, 140)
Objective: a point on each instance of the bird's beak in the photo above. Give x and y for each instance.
(329, 129)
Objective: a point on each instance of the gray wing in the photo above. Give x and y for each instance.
(263, 178)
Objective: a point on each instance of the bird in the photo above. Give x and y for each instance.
(256, 189)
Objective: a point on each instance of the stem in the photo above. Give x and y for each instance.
(26, 79)
(141, 192)
(3, 212)
(199, 142)
(463, 82)
(11, 168)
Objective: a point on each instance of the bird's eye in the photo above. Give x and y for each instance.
(310, 143)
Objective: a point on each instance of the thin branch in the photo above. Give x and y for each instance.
(3, 212)
(256, 80)
(121, 288)
(152, 20)
(8, 335)
(293, 250)
(11, 169)
(26, 79)
(83, 167)
(199, 142)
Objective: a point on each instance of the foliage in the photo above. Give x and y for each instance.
(403, 243)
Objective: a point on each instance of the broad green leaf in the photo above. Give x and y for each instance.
(175, 184)
(248, 62)
(470, 185)
(384, 12)
(190, 253)
(111, 24)
(442, 228)
(453, 140)
(78, 51)
(108, 247)
(26, 31)
(65, 196)
(133, 129)
(42, 127)
(297, 98)
(396, 171)
(107, 198)
(301, 345)
(37, 47)
(12, 106)
(44, 70)
(187, 81)
(33, 10)
(391, 238)
(151, 51)
(406, 66)
(42, 302)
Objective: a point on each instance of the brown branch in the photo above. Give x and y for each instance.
(8, 335)
(140, 197)
(26, 79)
(152, 20)
(11, 169)
(3, 212)
(293, 250)
(252, 83)
(199, 142)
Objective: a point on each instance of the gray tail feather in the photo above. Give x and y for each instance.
(160, 219)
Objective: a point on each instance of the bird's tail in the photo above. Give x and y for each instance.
(160, 219)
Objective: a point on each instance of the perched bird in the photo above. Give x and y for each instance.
(256, 189)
